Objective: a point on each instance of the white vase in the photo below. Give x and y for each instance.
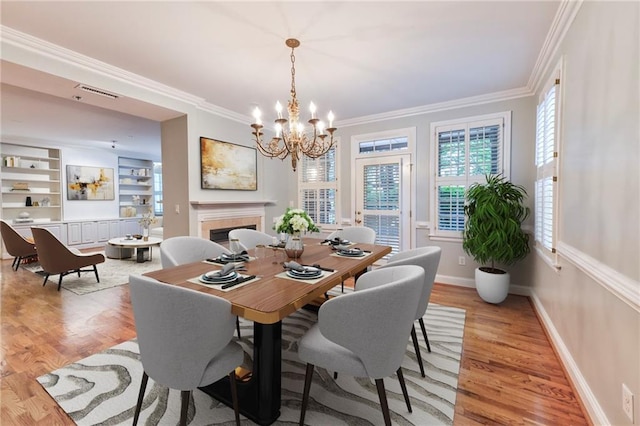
(492, 288)
(145, 233)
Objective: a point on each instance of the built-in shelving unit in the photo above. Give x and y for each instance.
(135, 179)
(30, 181)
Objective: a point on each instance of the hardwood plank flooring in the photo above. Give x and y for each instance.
(509, 372)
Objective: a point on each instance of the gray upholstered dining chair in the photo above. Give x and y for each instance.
(176, 251)
(249, 238)
(355, 234)
(56, 258)
(16, 245)
(428, 258)
(364, 333)
(184, 338)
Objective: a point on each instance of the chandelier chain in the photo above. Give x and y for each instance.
(293, 73)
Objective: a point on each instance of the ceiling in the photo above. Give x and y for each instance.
(356, 58)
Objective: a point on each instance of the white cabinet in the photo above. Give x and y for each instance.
(30, 181)
(130, 227)
(135, 179)
(89, 232)
(74, 233)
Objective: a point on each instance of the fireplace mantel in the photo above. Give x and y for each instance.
(222, 214)
(227, 203)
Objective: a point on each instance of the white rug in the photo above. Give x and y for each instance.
(112, 273)
(103, 388)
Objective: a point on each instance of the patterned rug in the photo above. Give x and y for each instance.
(103, 388)
(112, 273)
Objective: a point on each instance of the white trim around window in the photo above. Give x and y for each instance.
(463, 151)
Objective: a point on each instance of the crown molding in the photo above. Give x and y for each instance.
(442, 106)
(49, 50)
(567, 11)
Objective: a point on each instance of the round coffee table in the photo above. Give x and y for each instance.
(140, 245)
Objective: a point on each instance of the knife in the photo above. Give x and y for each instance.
(321, 268)
(238, 281)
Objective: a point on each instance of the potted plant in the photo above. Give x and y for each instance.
(493, 233)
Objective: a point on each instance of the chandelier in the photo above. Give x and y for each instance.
(294, 139)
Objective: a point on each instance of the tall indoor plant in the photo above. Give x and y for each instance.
(493, 233)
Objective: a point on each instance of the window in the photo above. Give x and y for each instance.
(546, 160)
(464, 151)
(157, 189)
(318, 183)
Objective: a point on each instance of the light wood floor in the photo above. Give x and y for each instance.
(509, 372)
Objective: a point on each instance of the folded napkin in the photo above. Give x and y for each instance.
(295, 266)
(226, 269)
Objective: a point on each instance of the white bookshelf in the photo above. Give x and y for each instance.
(30, 172)
(135, 183)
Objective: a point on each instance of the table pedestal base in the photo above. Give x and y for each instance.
(259, 397)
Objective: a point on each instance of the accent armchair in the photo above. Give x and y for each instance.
(16, 245)
(56, 258)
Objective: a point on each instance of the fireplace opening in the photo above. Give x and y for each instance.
(221, 235)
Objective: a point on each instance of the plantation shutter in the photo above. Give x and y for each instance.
(318, 187)
(381, 203)
(546, 167)
(465, 153)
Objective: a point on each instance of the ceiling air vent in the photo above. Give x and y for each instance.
(96, 91)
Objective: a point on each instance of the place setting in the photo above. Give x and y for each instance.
(309, 273)
(347, 251)
(225, 279)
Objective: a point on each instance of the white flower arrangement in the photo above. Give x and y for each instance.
(147, 219)
(295, 221)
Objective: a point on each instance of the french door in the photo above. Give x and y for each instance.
(383, 201)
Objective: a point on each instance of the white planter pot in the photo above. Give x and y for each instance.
(492, 288)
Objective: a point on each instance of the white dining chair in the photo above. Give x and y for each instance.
(176, 251)
(364, 333)
(355, 234)
(250, 238)
(184, 338)
(427, 258)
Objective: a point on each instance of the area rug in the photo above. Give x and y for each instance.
(112, 273)
(103, 388)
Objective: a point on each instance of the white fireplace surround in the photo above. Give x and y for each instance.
(225, 214)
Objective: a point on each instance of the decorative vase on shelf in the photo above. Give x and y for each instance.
(145, 233)
(294, 246)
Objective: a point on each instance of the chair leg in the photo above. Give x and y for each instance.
(184, 408)
(335, 375)
(46, 277)
(342, 283)
(404, 389)
(234, 396)
(383, 402)
(78, 271)
(238, 327)
(16, 263)
(414, 337)
(143, 387)
(305, 394)
(95, 271)
(62, 274)
(424, 333)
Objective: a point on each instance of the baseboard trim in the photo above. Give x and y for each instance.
(588, 399)
(519, 290)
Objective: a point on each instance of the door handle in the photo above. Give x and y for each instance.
(358, 221)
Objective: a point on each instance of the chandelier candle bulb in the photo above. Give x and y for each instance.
(312, 108)
(279, 110)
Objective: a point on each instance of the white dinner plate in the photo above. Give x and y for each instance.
(351, 253)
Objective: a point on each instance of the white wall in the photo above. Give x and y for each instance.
(596, 329)
(522, 172)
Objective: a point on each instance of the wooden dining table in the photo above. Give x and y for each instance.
(267, 301)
